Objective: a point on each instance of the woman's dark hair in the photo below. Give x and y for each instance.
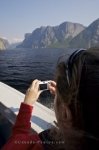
(79, 93)
(88, 95)
(82, 95)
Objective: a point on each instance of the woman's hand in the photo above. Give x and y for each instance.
(52, 87)
(32, 93)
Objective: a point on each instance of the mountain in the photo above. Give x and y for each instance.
(13, 45)
(3, 44)
(87, 38)
(56, 36)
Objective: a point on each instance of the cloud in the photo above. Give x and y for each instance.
(15, 40)
(3, 37)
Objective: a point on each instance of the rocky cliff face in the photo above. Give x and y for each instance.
(67, 34)
(88, 37)
(3, 44)
(44, 37)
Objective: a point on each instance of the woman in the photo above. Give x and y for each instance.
(76, 104)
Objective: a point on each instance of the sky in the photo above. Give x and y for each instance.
(18, 17)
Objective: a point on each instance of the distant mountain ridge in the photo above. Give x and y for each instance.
(65, 35)
(3, 44)
(56, 36)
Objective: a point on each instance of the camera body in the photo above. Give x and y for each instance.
(43, 85)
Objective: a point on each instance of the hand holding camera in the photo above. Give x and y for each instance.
(36, 88)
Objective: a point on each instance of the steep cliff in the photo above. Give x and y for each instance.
(57, 36)
(3, 44)
(88, 37)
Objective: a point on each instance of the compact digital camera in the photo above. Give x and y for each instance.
(44, 85)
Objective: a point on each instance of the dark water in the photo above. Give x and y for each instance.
(19, 67)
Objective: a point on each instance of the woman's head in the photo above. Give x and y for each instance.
(77, 99)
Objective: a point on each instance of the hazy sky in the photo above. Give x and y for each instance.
(18, 17)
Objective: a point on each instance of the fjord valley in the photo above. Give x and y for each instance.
(65, 35)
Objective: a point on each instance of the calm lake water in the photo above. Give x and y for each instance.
(20, 66)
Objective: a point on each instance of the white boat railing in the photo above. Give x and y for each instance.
(42, 117)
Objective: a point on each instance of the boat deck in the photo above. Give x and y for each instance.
(42, 117)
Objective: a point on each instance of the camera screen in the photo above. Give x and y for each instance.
(43, 86)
